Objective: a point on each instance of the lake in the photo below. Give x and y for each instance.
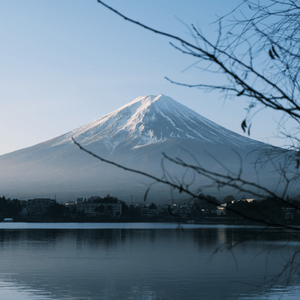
(145, 261)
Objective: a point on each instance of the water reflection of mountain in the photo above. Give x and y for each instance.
(132, 263)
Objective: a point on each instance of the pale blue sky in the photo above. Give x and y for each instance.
(66, 63)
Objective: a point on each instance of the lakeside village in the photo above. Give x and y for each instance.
(204, 209)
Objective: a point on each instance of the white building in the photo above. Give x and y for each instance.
(100, 206)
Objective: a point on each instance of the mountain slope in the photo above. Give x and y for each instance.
(134, 135)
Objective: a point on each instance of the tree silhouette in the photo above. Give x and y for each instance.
(258, 55)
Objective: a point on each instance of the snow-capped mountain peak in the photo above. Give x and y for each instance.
(151, 119)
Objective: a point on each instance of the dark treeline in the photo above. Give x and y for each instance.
(204, 209)
(10, 208)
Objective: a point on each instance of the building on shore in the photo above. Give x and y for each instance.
(95, 206)
(39, 206)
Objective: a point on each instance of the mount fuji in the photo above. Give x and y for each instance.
(134, 135)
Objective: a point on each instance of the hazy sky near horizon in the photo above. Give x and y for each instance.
(67, 63)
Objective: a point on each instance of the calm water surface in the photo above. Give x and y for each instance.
(144, 261)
